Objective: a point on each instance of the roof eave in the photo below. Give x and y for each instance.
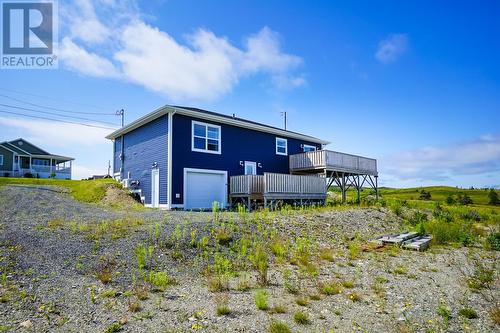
(235, 122)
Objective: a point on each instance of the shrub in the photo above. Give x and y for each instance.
(446, 232)
(160, 280)
(279, 327)
(493, 241)
(301, 318)
(425, 195)
(223, 236)
(261, 300)
(114, 327)
(278, 248)
(464, 199)
(279, 308)
(493, 198)
(326, 254)
(450, 200)
(468, 313)
(302, 301)
(260, 262)
(348, 284)
(222, 305)
(330, 288)
(417, 217)
(444, 312)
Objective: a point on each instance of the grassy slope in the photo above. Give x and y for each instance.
(81, 190)
(438, 193)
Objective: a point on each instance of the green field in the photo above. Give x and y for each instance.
(82, 190)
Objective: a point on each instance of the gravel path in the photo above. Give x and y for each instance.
(51, 262)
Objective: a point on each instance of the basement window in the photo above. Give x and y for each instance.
(281, 146)
(206, 138)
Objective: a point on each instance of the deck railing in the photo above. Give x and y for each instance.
(327, 159)
(273, 183)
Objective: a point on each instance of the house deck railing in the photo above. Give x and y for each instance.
(277, 184)
(333, 161)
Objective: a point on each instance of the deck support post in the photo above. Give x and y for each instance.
(358, 188)
(343, 189)
(376, 187)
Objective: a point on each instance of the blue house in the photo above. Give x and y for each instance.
(182, 157)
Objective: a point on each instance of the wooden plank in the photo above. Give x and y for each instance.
(420, 243)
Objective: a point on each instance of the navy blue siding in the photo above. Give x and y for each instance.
(117, 146)
(144, 146)
(237, 144)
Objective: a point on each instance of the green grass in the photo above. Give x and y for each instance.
(82, 190)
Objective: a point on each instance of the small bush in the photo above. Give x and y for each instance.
(326, 254)
(355, 297)
(425, 195)
(444, 312)
(417, 217)
(222, 305)
(348, 284)
(464, 199)
(260, 262)
(279, 327)
(223, 236)
(493, 198)
(302, 301)
(450, 200)
(160, 280)
(279, 308)
(468, 313)
(261, 300)
(493, 241)
(114, 327)
(330, 288)
(301, 318)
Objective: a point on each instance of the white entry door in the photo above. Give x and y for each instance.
(203, 187)
(155, 188)
(250, 168)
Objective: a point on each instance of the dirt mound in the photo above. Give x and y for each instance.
(119, 197)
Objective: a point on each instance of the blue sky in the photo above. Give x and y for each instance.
(414, 84)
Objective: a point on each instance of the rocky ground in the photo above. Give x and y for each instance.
(55, 254)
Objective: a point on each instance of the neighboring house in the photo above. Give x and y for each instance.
(182, 157)
(20, 158)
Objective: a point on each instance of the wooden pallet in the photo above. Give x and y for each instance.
(407, 240)
(420, 243)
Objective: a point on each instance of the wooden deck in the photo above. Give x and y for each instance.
(332, 161)
(272, 187)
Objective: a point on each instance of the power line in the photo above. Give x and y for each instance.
(57, 120)
(56, 109)
(54, 114)
(52, 98)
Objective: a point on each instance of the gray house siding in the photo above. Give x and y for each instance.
(7, 160)
(26, 146)
(144, 147)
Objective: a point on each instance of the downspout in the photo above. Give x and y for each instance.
(170, 126)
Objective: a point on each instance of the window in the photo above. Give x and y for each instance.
(309, 148)
(1, 159)
(281, 146)
(250, 168)
(206, 138)
(40, 162)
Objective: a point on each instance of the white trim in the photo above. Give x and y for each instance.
(286, 146)
(156, 203)
(250, 163)
(2, 145)
(220, 172)
(211, 117)
(219, 151)
(172, 206)
(309, 146)
(170, 126)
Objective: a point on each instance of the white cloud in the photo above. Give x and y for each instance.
(80, 60)
(205, 67)
(391, 48)
(476, 157)
(58, 134)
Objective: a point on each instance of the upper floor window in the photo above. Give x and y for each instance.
(281, 146)
(206, 138)
(1, 159)
(309, 148)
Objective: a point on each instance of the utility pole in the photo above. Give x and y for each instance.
(122, 114)
(109, 167)
(283, 114)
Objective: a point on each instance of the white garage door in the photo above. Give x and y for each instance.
(203, 187)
